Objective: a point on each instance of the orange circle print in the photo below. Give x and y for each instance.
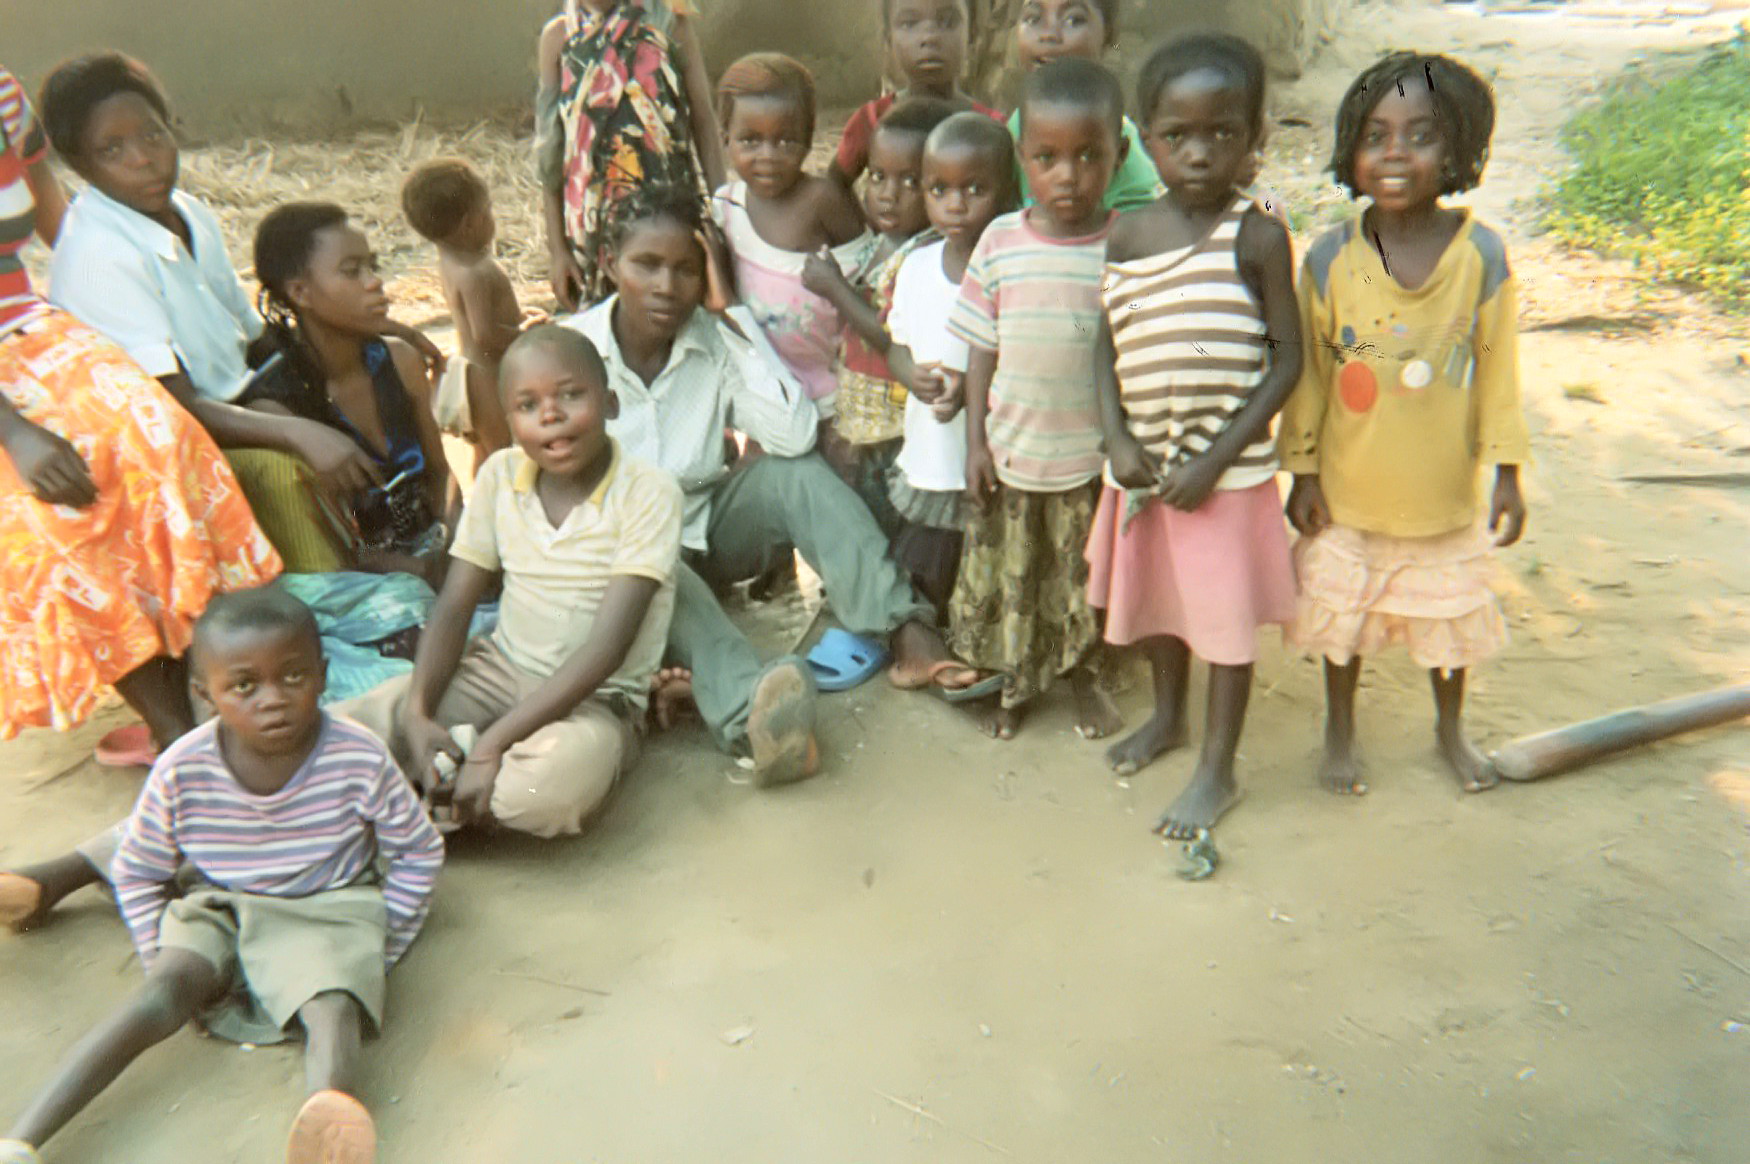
(1357, 386)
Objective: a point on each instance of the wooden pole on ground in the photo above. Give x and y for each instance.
(1564, 749)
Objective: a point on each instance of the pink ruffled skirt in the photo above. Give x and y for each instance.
(1361, 592)
(1211, 577)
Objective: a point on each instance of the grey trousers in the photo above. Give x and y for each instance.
(762, 508)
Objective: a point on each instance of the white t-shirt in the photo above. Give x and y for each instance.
(934, 455)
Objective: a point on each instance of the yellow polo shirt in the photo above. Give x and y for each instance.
(555, 576)
(1404, 395)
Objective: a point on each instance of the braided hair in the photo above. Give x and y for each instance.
(1464, 106)
(284, 244)
(680, 205)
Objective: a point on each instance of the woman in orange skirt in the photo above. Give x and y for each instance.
(119, 519)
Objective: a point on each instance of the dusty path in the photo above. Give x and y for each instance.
(947, 950)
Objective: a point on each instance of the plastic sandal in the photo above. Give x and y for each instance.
(842, 660)
(128, 747)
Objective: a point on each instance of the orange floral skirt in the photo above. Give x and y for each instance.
(88, 595)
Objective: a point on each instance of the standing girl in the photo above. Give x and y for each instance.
(624, 100)
(1189, 554)
(775, 216)
(1029, 309)
(926, 44)
(325, 306)
(1410, 385)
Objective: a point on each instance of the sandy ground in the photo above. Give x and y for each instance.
(948, 950)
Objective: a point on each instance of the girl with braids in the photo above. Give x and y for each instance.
(325, 310)
(1409, 386)
(624, 100)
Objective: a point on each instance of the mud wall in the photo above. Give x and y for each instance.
(249, 62)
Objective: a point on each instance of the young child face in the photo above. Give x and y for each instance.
(1049, 30)
(1401, 153)
(964, 189)
(265, 684)
(767, 142)
(558, 409)
(928, 42)
(893, 199)
(128, 153)
(1069, 154)
(1199, 137)
(340, 286)
(660, 271)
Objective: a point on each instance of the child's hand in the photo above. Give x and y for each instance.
(981, 474)
(1133, 466)
(473, 800)
(1189, 485)
(926, 382)
(534, 317)
(719, 279)
(565, 276)
(821, 275)
(1308, 512)
(426, 741)
(952, 399)
(1507, 506)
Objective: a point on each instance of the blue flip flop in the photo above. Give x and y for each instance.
(842, 660)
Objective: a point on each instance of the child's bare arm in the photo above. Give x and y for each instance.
(434, 665)
(700, 106)
(1266, 264)
(981, 471)
(494, 317)
(617, 623)
(1133, 466)
(837, 212)
(822, 275)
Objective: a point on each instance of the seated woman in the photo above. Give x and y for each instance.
(326, 311)
(118, 517)
(144, 263)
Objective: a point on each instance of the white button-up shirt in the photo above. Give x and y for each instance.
(714, 379)
(134, 281)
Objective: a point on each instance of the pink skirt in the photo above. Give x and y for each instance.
(1361, 592)
(1211, 577)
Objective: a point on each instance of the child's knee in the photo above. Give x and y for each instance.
(179, 985)
(553, 783)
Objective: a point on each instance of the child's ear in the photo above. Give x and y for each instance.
(1123, 146)
(610, 404)
(321, 676)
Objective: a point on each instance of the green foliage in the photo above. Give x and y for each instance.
(1663, 174)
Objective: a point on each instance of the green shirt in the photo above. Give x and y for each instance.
(1136, 183)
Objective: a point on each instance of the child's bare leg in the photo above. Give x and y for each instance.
(1170, 660)
(157, 690)
(1472, 768)
(176, 988)
(1339, 771)
(1213, 789)
(333, 1033)
(27, 894)
(1096, 715)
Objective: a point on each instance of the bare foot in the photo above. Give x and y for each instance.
(1096, 715)
(671, 696)
(917, 649)
(332, 1128)
(1340, 772)
(1474, 771)
(1205, 800)
(23, 903)
(1143, 746)
(1001, 723)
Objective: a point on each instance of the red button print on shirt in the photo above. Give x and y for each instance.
(1357, 387)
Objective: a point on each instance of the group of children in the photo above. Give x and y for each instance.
(1049, 357)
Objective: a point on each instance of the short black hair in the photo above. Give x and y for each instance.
(918, 116)
(1074, 81)
(79, 86)
(887, 14)
(1464, 106)
(440, 194)
(569, 344)
(984, 135)
(1231, 56)
(655, 201)
(261, 608)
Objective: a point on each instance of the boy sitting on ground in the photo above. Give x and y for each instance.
(281, 814)
(448, 204)
(587, 541)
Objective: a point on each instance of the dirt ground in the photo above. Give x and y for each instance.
(944, 949)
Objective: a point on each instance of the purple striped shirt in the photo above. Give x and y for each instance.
(346, 806)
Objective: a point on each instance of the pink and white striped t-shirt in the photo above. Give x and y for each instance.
(346, 806)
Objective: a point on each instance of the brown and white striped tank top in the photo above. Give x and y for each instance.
(1190, 339)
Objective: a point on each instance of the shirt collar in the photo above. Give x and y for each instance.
(527, 472)
(597, 323)
(136, 227)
